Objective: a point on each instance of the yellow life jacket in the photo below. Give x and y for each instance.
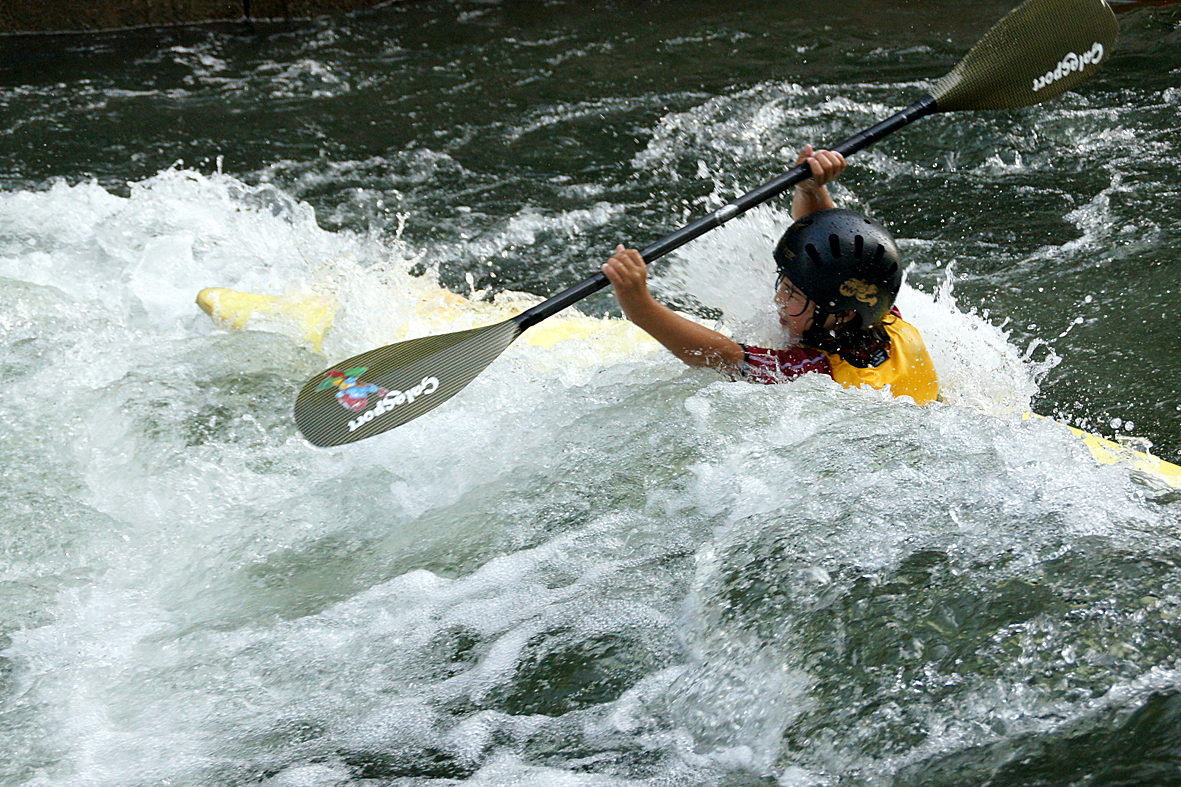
(908, 372)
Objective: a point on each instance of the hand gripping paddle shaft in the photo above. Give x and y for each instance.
(1038, 51)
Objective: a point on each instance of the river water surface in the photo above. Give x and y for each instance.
(593, 566)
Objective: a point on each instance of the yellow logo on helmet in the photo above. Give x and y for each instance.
(862, 291)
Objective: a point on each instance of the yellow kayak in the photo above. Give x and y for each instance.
(311, 315)
(1109, 452)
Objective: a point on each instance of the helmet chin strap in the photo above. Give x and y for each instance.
(820, 319)
(815, 334)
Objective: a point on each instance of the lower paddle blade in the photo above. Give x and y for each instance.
(1041, 49)
(378, 390)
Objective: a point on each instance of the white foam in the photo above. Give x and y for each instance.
(215, 597)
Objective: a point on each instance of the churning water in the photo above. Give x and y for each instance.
(594, 566)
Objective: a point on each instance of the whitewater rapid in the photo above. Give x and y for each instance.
(594, 566)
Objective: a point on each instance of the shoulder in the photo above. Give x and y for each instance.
(898, 329)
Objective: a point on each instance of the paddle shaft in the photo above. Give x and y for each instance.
(1037, 51)
(793, 177)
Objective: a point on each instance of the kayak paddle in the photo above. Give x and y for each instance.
(1038, 51)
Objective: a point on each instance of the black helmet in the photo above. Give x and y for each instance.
(842, 260)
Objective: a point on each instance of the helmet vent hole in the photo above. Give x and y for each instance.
(811, 251)
(881, 252)
(834, 243)
(858, 246)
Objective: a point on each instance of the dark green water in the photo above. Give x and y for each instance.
(635, 575)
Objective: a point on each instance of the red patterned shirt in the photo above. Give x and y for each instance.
(779, 366)
(901, 363)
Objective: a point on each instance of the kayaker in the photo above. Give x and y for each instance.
(839, 274)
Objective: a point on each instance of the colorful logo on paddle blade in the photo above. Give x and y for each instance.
(354, 392)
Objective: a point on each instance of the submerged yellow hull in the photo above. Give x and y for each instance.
(1109, 452)
(311, 316)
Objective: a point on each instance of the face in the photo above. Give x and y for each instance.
(795, 309)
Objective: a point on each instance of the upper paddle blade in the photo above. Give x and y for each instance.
(1038, 51)
(383, 388)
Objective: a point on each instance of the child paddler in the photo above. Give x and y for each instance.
(839, 274)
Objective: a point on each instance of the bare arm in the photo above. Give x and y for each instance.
(812, 195)
(694, 344)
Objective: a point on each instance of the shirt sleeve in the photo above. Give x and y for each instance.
(761, 365)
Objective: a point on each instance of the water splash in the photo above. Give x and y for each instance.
(594, 558)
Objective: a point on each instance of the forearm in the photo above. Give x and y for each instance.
(689, 341)
(809, 199)
(694, 344)
(812, 195)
